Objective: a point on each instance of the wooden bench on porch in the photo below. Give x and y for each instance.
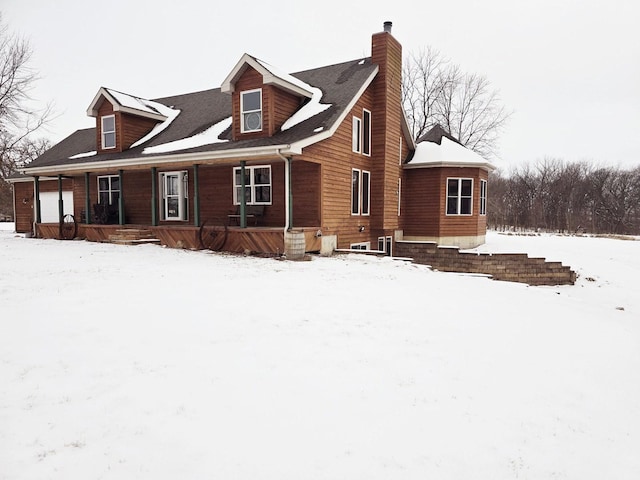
(254, 212)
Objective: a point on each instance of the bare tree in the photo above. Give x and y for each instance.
(435, 91)
(18, 118)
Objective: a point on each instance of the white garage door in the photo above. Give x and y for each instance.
(49, 205)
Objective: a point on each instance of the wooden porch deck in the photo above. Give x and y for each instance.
(266, 240)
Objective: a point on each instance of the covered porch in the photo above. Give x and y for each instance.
(203, 207)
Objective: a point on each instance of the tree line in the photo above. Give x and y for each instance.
(572, 197)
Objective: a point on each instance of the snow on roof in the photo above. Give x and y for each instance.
(170, 115)
(83, 155)
(136, 103)
(311, 108)
(286, 77)
(207, 137)
(447, 153)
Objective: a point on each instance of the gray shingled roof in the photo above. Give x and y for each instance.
(339, 83)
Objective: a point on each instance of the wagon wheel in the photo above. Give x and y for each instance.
(213, 236)
(68, 227)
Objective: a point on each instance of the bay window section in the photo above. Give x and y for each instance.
(459, 196)
(257, 185)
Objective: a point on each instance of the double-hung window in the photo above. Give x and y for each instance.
(360, 192)
(108, 189)
(257, 185)
(459, 196)
(251, 110)
(108, 128)
(483, 197)
(174, 193)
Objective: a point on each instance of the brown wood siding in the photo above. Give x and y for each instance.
(251, 79)
(23, 198)
(337, 159)
(424, 203)
(107, 109)
(133, 128)
(284, 105)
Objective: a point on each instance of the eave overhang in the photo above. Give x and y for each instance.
(92, 111)
(285, 82)
(202, 158)
(488, 166)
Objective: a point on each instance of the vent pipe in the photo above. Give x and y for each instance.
(387, 26)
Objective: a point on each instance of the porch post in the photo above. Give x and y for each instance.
(120, 199)
(87, 199)
(154, 196)
(36, 201)
(243, 198)
(60, 205)
(196, 197)
(289, 193)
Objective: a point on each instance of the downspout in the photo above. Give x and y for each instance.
(287, 191)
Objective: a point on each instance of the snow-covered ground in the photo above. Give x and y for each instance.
(151, 363)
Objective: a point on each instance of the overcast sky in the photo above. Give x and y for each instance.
(569, 70)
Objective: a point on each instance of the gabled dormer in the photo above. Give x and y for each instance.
(262, 98)
(122, 119)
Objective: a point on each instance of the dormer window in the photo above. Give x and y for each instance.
(251, 110)
(108, 131)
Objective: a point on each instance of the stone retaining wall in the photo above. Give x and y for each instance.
(513, 267)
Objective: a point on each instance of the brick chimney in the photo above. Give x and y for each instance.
(386, 52)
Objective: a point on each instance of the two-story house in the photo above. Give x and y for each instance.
(269, 162)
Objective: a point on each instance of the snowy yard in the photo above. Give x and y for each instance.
(151, 363)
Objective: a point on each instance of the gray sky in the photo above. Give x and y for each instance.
(570, 70)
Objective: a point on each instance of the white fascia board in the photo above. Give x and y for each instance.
(488, 166)
(270, 151)
(268, 77)
(327, 133)
(92, 111)
(406, 130)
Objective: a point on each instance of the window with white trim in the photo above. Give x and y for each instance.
(251, 110)
(360, 192)
(366, 132)
(108, 129)
(108, 189)
(459, 196)
(384, 245)
(483, 197)
(257, 185)
(356, 134)
(174, 195)
(360, 246)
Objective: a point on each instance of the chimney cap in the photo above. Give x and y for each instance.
(387, 26)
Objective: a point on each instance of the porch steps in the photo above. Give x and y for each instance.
(133, 236)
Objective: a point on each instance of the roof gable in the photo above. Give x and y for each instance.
(123, 102)
(270, 76)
